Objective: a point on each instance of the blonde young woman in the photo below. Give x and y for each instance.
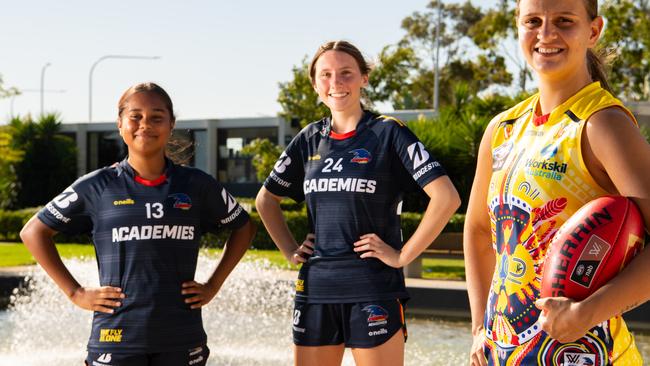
(539, 162)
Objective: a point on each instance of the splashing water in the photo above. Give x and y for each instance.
(248, 323)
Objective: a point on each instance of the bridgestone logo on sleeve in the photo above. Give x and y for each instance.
(153, 232)
(418, 154)
(66, 198)
(425, 169)
(229, 200)
(56, 213)
(233, 216)
(279, 180)
(282, 163)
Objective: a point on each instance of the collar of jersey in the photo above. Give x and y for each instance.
(540, 120)
(342, 136)
(555, 114)
(146, 182)
(365, 117)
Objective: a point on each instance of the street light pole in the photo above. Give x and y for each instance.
(23, 91)
(90, 76)
(436, 79)
(43, 84)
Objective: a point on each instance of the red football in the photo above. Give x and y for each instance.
(592, 247)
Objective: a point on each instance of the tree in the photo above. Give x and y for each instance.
(496, 32)
(49, 159)
(454, 136)
(627, 37)
(463, 62)
(389, 78)
(265, 154)
(403, 75)
(7, 92)
(9, 156)
(298, 99)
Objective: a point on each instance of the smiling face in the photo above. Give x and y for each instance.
(338, 81)
(554, 36)
(145, 124)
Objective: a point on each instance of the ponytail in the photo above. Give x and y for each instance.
(596, 67)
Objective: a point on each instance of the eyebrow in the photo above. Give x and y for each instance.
(564, 13)
(341, 68)
(140, 110)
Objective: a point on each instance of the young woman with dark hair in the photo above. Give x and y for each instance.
(146, 215)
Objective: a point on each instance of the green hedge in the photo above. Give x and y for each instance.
(285, 204)
(12, 221)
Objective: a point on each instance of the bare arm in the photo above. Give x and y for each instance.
(268, 206)
(477, 238)
(625, 157)
(237, 244)
(477, 245)
(443, 203)
(618, 157)
(37, 237)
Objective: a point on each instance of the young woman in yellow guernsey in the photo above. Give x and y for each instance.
(539, 162)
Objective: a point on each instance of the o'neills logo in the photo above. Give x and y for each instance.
(546, 169)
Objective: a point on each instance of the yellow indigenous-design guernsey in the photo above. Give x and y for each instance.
(539, 180)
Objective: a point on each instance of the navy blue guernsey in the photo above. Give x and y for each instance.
(352, 187)
(146, 236)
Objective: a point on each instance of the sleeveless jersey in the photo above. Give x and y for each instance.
(539, 179)
(353, 186)
(146, 236)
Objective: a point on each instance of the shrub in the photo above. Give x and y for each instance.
(11, 222)
(285, 205)
(42, 151)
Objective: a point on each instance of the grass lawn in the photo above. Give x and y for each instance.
(15, 254)
(439, 269)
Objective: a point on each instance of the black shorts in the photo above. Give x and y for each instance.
(357, 325)
(195, 356)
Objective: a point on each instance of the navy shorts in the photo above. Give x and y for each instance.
(357, 325)
(195, 356)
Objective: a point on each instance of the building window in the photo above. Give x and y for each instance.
(232, 166)
(104, 149)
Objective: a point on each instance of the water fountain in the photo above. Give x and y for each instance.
(248, 323)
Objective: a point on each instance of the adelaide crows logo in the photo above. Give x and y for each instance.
(376, 315)
(181, 200)
(361, 156)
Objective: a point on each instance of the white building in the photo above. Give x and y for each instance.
(216, 145)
